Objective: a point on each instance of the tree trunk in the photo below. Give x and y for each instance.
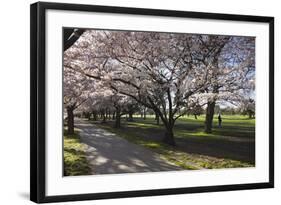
(195, 116)
(117, 118)
(251, 114)
(104, 118)
(157, 118)
(106, 113)
(209, 116)
(95, 117)
(144, 113)
(130, 119)
(169, 136)
(70, 120)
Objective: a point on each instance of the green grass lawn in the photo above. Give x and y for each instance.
(75, 162)
(231, 146)
(235, 126)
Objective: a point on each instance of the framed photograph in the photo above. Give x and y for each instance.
(129, 102)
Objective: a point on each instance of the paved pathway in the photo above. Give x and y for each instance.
(110, 154)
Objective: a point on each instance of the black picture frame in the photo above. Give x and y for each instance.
(38, 100)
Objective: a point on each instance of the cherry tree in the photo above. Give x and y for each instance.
(232, 64)
(165, 72)
(158, 70)
(75, 94)
(247, 106)
(76, 87)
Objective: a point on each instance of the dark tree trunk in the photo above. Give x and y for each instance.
(117, 118)
(113, 116)
(130, 118)
(209, 116)
(95, 117)
(211, 105)
(106, 113)
(104, 118)
(157, 118)
(251, 114)
(144, 113)
(71, 36)
(195, 116)
(70, 120)
(169, 125)
(169, 136)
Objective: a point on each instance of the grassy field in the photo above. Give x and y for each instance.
(75, 162)
(231, 146)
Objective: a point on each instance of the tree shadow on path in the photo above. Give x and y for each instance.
(110, 154)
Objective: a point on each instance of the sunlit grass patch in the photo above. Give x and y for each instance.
(75, 162)
(152, 145)
(142, 125)
(197, 134)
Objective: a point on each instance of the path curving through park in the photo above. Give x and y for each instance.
(108, 153)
